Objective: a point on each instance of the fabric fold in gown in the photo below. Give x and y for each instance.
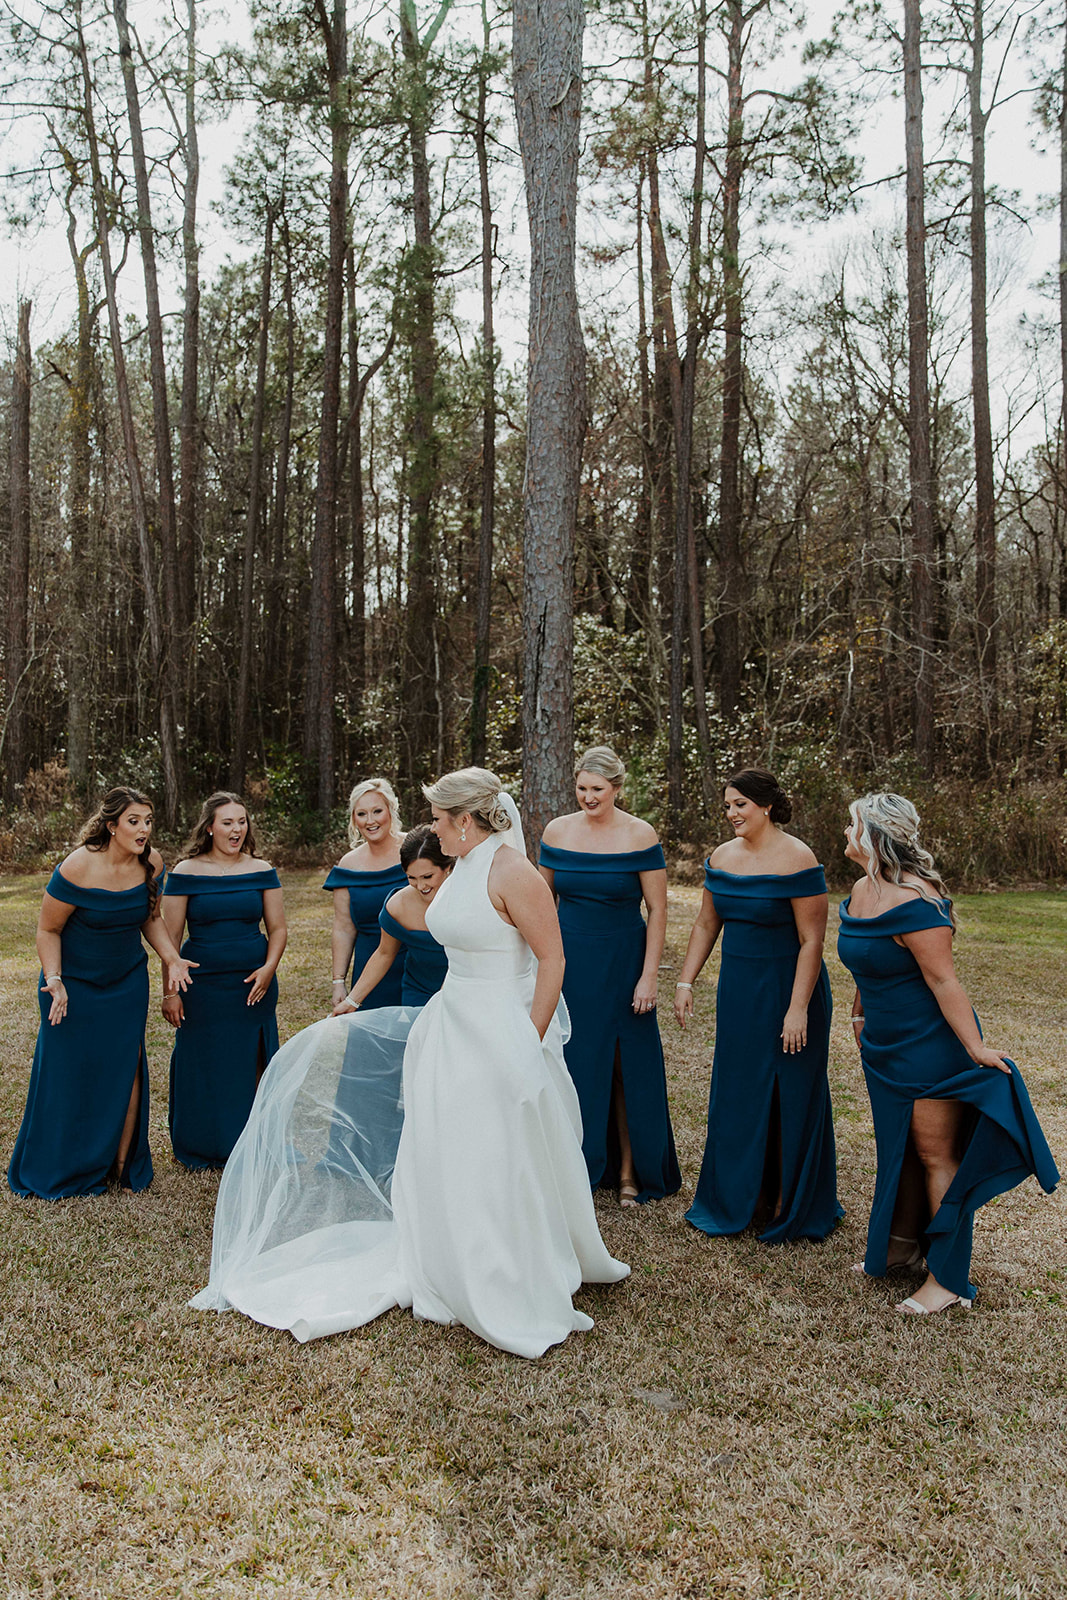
(604, 937)
(751, 1073)
(486, 1217)
(910, 1053)
(224, 1043)
(84, 1068)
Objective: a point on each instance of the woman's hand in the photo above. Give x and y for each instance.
(173, 1010)
(58, 990)
(984, 1057)
(178, 972)
(795, 1029)
(645, 995)
(344, 1007)
(683, 1003)
(260, 981)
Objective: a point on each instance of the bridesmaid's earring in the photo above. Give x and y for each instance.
(463, 835)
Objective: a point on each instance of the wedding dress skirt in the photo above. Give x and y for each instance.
(487, 1217)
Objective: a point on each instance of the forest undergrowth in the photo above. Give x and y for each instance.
(742, 1422)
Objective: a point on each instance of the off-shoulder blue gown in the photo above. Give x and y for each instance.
(84, 1067)
(224, 1043)
(367, 894)
(910, 1053)
(750, 1070)
(604, 944)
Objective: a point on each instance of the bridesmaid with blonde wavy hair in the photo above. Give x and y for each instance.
(361, 882)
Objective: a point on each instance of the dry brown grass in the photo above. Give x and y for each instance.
(742, 1421)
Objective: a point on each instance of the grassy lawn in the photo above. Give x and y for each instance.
(743, 1421)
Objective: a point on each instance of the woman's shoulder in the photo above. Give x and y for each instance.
(795, 853)
(639, 834)
(401, 905)
(76, 867)
(560, 828)
(351, 860)
(158, 864)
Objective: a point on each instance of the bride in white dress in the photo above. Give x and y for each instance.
(489, 1218)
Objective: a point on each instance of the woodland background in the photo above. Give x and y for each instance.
(272, 526)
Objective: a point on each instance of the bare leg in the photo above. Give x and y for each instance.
(129, 1127)
(911, 1212)
(628, 1189)
(936, 1128)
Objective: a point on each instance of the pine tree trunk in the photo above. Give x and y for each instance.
(167, 519)
(728, 626)
(922, 520)
(244, 669)
(547, 40)
(985, 531)
(322, 611)
(16, 643)
(189, 412)
(81, 673)
(483, 614)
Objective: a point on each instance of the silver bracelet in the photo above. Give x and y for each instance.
(336, 980)
(858, 1017)
(53, 977)
(681, 985)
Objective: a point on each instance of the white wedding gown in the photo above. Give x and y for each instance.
(488, 1219)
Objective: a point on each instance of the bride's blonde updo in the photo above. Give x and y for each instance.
(473, 790)
(887, 831)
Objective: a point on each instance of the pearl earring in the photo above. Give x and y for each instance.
(463, 834)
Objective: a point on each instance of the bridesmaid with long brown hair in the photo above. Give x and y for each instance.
(86, 1117)
(226, 1031)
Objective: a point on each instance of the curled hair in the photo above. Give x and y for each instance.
(199, 841)
(472, 790)
(422, 844)
(761, 786)
(602, 761)
(380, 786)
(96, 834)
(887, 831)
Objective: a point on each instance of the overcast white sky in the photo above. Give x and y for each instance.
(37, 265)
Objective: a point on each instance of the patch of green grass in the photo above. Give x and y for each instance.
(821, 1446)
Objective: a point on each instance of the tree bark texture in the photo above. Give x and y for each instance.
(321, 682)
(83, 574)
(255, 473)
(166, 509)
(162, 688)
(547, 41)
(728, 625)
(985, 530)
(189, 411)
(922, 519)
(480, 696)
(16, 642)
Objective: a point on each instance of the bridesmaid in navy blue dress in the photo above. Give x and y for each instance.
(362, 882)
(226, 1029)
(953, 1122)
(86, 1117)
(601, 863)
(402, 921)
(769, 1157)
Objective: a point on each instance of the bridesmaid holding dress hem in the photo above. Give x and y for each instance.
(362, 882)
(402, 920)
(953, 1122)
(226, 1031)
(770, 1158)
(601, 863)
(86, 1117)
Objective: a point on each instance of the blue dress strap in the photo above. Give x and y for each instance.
(800, 885)
(179, 882)
(392, 927)
(650, 859)
(912, 916)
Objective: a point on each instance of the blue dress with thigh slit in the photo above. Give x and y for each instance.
(84, 1068)
(751, 1072)
(910, 1053)
(223, 1044)
(367, 894)
(604, 945)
